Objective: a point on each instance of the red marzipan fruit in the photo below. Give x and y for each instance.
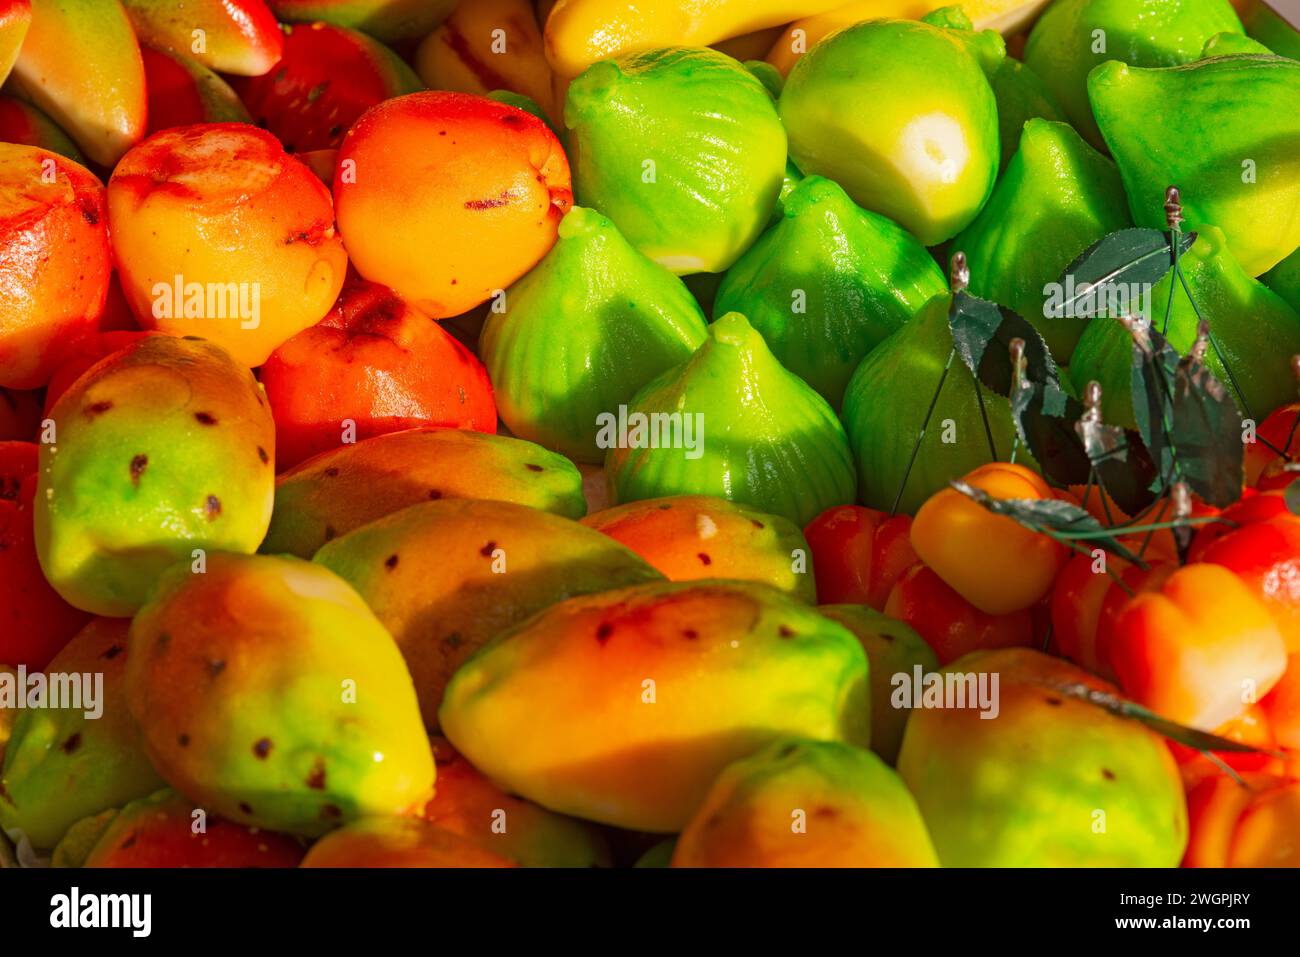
(377, 361)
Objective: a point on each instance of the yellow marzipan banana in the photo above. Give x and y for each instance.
(1004, 16)
(580, 32)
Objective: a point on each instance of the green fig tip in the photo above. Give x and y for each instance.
(733, 329)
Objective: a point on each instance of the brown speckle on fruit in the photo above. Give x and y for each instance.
(261, 454)
(183, 740)
(705, 559)
(487, 550)
(97, 408)
(1054, 702)
(112, 652)
(1108, 774)
(316, 779)
(390, 562)
(785, 631)
(331, 472)
(72, 744)
(262, 748)
(603, 631)
(212, 507)
(215, 667)
(533, 468)
(205, 418)
(138, 464)
(246, 808)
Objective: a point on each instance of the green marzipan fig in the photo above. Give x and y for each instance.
(682, 148)
(885, 406)
(1233, 44)
(270, 694)
(1073, 36)
(1057, 198)
(893, 649)
(750, 432)
(65, 763)
(165, 447)
(1284, 279)
(1256, 329)
(827, 283)
(593, 322)
(1022, 96)
(901, 115)
(1226, 131)
(1051, 781)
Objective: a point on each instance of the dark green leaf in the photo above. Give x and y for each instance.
(1129, 479)
(1122, 707)
(1051, 514)
(1207, 433)
(1044, 413)
(1152, 379)
(1139, 257)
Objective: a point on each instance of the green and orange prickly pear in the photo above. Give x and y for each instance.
(685, 677)
(334, 492)
(163, 449)
(827, 283)
(590, 324)
(83, 756)
(445, 577)
(734, 423)
(399, 842)
(1057, 197)
(689, 537)
(269, 694)
(1284, 279)
(470, 805)
(1225, 131)
(167, 829)
(893, 648)
(1041, 777)
(805, 803)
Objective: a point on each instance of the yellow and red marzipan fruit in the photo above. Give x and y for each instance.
(375, 362)
(54, 260)
(218, 233)
(449, 198)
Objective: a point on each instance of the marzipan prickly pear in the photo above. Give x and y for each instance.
(337, 491)
(689, 537)
(164, 448)
(686, 678)
(445, 577)
(1051, 780)
(268, 692)
(64, 763)
(801, 803)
